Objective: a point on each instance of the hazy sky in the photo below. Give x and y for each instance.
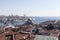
(30, 7)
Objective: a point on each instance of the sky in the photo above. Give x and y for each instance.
(30, 7)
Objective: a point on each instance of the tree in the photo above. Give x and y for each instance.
(35, 31)
(50, 27)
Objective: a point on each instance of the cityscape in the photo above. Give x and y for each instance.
(29, 19)
(24, 28)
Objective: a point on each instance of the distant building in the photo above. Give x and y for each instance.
(29, 21)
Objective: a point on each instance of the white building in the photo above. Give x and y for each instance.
(39, 37)
(10, 26)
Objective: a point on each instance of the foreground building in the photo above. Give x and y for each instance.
(39, 37)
